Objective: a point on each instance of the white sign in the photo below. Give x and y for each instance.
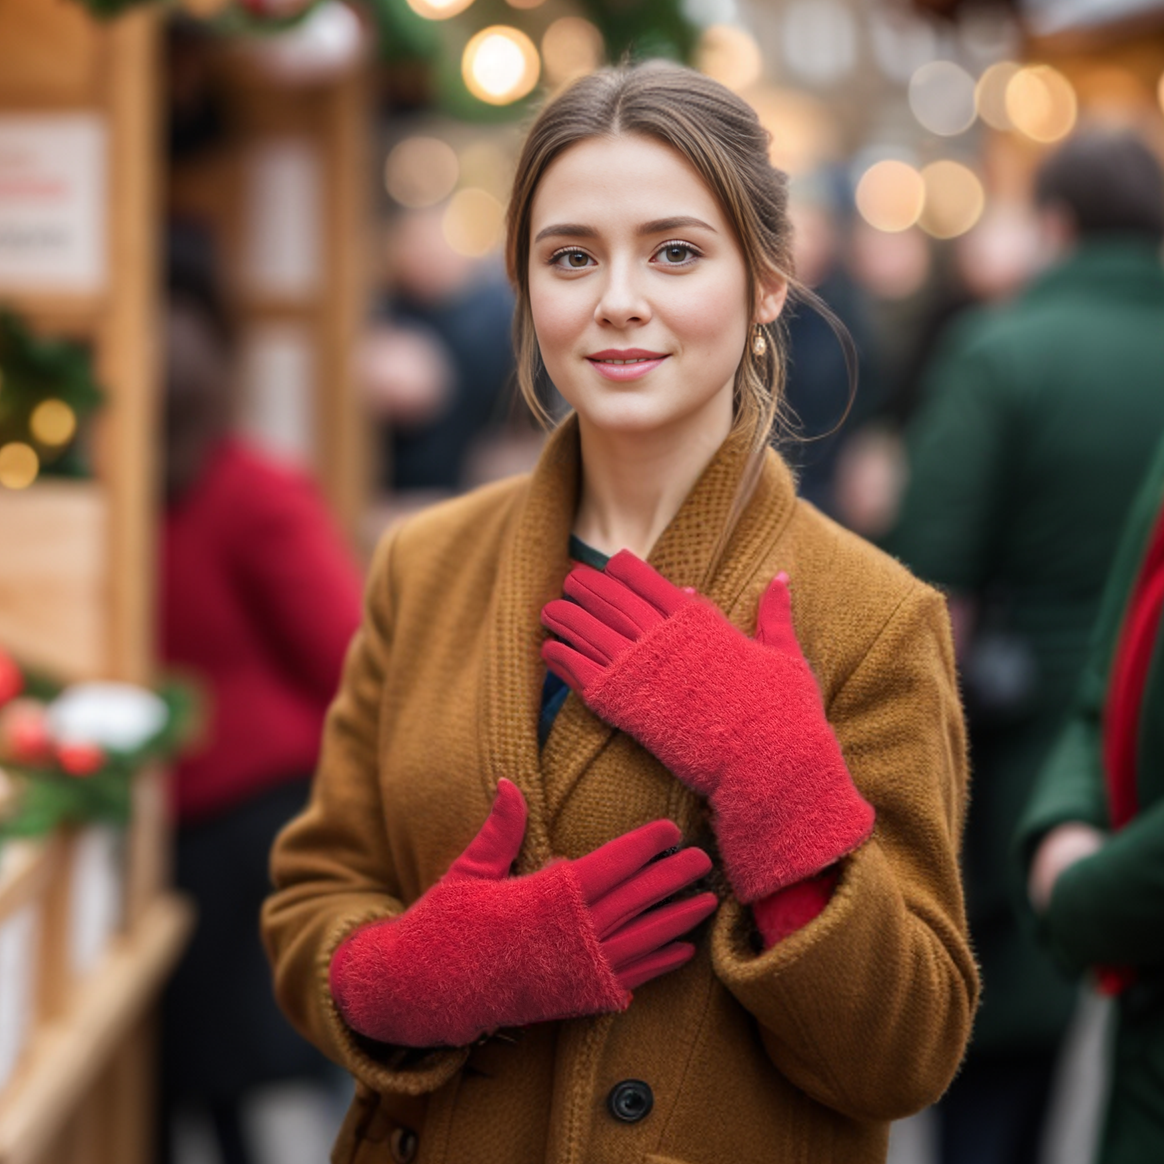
(283, 249)
(53, 200)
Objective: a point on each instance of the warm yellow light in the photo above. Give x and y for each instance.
(19, 465)
(990, 94)
(1041, 103)
(485, 164)
(438, 9)
(729, 55)
(804, 131)
(954, 199)
(53, 422)
(500, 65)
(890, 196)
(421, 171)
(525, 3)
(941, 95)
(473, 221)
(1160, 92)
(571, 48)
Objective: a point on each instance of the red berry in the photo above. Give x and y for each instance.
(24, 736)
(11, 680)
(80, 759)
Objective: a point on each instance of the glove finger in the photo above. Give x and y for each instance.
(493, 850)
(611, 864)
(662, 961)
(774, 621)
(585, 633)
(656, 929)
(569, 666)
(655, 883)
(609, 600)
(647, 582)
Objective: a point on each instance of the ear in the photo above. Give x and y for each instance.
(771, 296)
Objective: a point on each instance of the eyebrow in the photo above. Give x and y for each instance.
(658, 226)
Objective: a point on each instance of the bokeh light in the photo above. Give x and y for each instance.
(990, 94)
(891, 195)
(53, 423)
(438, 9)
(1041, 103)
(473, 222)
(730, 55)
(500, 65)
(486, 165)
(941, 95)
(954, 199)
(571, 48)
(819, 40)
(19, 465)
(805, 135)
(525, 3)
(421, 171)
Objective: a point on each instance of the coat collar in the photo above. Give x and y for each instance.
(534, 561)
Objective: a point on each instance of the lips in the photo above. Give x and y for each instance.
(626, 363)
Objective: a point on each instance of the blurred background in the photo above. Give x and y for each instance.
(274, 227)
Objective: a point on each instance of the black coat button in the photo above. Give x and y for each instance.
(403, 1144)
(630, 1101)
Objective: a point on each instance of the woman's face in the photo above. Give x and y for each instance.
(638, 288)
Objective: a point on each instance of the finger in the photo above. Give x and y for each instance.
(582, 631)
(655, 929)
(570, 666)
(600, 871)
(662, 961)
(774, 620)
(642, 890)
(647, 582)
(610, 601)
(493, 850)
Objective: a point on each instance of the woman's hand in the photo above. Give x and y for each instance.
(1059, 849)
(738, 720)
(482, 950)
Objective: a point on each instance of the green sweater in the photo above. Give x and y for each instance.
(1109, 908)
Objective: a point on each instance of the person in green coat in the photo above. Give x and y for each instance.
(1099, 894)
(1038, 422)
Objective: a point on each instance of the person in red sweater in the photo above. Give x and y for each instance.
(258, 599)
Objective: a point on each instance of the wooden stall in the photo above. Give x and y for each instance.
(79, 182)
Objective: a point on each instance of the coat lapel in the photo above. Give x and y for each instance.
(533, 565)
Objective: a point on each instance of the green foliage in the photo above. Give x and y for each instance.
(34, 369)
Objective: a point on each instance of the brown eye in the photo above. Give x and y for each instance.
(676, 254)
(577, 259)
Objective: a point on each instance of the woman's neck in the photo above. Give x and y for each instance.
(634, 483)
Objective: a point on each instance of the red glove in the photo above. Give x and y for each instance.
(738, 720)
(482, 950)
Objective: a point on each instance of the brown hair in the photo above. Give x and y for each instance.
(721, 137)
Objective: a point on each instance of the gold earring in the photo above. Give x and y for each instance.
(759, 342)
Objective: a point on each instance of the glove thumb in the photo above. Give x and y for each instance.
(494, 849)
(774, 621)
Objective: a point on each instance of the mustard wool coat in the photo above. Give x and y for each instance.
(802, 1053)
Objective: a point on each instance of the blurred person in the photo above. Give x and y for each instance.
(1039, 418)
(572, 1007)
(258, 600)
(439, 360)
(831, 385)
(1092, 837)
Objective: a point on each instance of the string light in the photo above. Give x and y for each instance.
(954, 199)
(730, 55)
(500, 65)
(571, 48)
(990, 94)
(941, 95)
(890, 196)
(472, 222)
(1041, 103)
(19, 465)
(53, 423)
(421, 171)
(438, 9)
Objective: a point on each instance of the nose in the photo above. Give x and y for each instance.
(621, 302)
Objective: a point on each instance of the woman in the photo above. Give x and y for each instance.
(1093, 836)
(833, 989)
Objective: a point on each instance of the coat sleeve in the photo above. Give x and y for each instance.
(868, 1007)
(332, 868)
